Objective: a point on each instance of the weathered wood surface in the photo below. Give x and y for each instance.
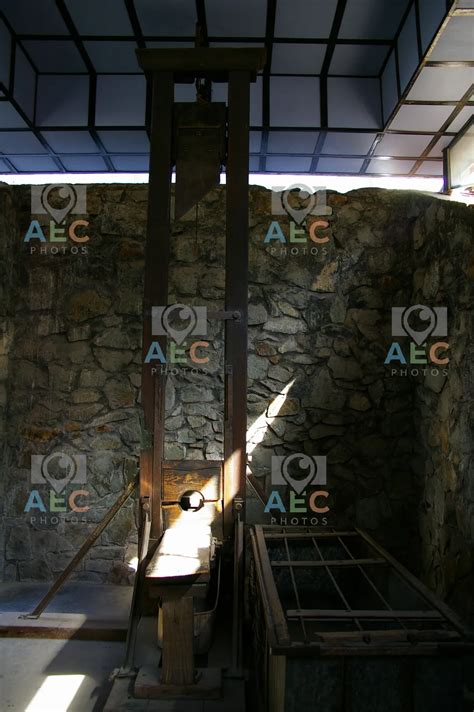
(209, 515)
(201, 59)
(177, 651)
(181, 552)
(191, 476)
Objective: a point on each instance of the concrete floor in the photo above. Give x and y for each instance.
(51, 675)
(28, 663)
(94, 600)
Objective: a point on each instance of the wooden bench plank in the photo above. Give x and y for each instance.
(182, 551)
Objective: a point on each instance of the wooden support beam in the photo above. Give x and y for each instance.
(178, 629)
(77, 558)
(236, 297)
(156, 279)
(197, 60)
(268, 588)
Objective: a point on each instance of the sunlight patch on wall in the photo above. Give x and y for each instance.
(257, 431)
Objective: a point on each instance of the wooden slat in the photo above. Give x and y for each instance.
(203, 695)
(210, 513)
(306, 535)
(202, 59)
(269, 589)
(176, 481)
(86, 546)
(276, 682)
(374, 614)
(236, 291)
(335, 563)
(146, 473)
(177, 651)
(380, 636)
(376, 651)
(156, 275)
(213, 466)
(181, 552)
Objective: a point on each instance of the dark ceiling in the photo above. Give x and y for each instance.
(351, 86)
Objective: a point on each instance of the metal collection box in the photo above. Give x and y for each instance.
(340, 625)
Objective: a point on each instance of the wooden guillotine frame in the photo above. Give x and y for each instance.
(197, 138)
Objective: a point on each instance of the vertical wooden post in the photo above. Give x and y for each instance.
(235, 426)
(177, 651)
(156, 283)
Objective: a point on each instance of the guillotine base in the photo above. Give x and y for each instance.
(207, 685)
(122, 699)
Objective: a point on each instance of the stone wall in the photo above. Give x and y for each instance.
(7, 283)
(444, 417)
(319, 330)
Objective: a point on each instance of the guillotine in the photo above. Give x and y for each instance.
(188, 509)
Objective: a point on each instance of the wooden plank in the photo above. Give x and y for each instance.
(157, 235)
(146, 473)
(397, 649)
(379, 636)
(238, 599)
(77, 558)
(333, 562)
(181, 552)
(305, 535)
(138, 585)
(236, 293)
(379, 651)
(177, 651)
(210, 514)
(276, 682)
(374, 614)
(269, 590)
(199, 59)
(207, 686)
(156, 274)
(416, 584)
(211, 466)
(206, 480)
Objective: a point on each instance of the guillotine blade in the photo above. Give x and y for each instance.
(199, 151)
